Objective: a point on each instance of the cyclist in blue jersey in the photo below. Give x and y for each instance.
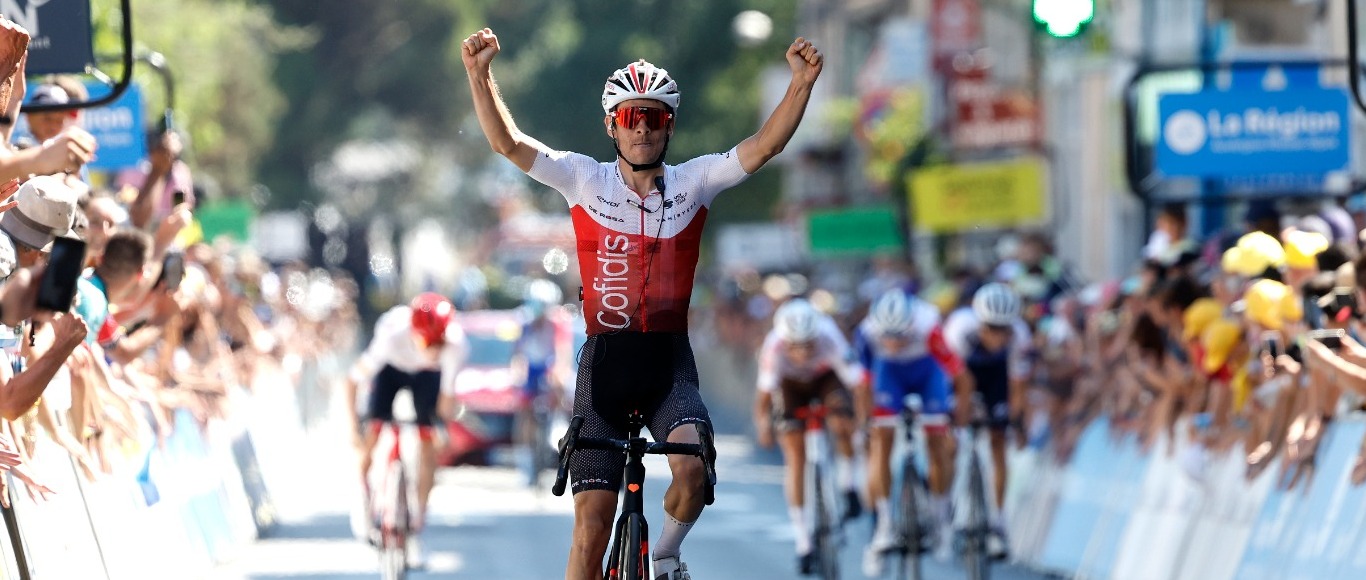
(534, 355)
(903, 348)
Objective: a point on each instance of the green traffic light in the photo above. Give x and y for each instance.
(1064, 18)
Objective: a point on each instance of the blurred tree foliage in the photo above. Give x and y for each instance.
(222, 56)
(387, 69)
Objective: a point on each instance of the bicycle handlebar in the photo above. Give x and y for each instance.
(571, 442)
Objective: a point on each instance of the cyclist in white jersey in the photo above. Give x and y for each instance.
(638, 224)
(805, 357)
(420, 347)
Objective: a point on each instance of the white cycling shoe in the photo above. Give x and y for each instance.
(671, 568)
(874, 555)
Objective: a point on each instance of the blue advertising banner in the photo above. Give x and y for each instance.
(60, 34)
(117, 128)
(1249, 133)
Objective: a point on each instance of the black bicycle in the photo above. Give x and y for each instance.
(913, 523)
(628, 558)
(973, 537)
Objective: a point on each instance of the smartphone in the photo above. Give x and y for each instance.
(172, 271)
(167, 122)
(57, 288)
(1271, 343)
(1340, 304)
(1331, 338)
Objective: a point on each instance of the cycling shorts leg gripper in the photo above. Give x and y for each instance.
(683, 403)
(593, 469)
(388, 381)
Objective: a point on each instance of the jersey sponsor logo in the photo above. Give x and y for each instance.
(615, 270)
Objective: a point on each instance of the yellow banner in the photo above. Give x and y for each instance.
(950, 198)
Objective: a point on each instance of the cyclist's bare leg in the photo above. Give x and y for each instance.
(426, 468)
(369, 438)
(593, 511)
(686, 495)
(941, 450)
(998, 466)
(793, 444)
(880, 442)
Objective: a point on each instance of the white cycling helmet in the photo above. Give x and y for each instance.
(996, 304)
(639, 80)
(796, 321)
(892, 313)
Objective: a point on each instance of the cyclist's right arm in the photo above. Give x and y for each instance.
(767, 383)
(477, 53)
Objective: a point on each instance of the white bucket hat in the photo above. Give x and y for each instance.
(47, 208)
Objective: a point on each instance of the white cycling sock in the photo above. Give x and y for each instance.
(844, 473)
(939, 507)
(798, 516)
(672, 537)
(884, 518)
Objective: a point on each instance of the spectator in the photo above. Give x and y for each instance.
(46, 209)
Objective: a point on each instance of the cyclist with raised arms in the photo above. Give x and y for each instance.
(638, 223)
(420, 347)
(902, 346)
(994, 344)
(804, 358)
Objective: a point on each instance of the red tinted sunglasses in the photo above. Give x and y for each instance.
(655, 119)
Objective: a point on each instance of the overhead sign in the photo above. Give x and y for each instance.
(1249, 132)
(986, 117)
(956, 26)
(60, 34)
(949, 198)
(858, 231)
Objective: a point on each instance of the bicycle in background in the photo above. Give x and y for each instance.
(914, 528)
(973, 537)
(826, 534)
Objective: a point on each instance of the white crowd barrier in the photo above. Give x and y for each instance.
(167, 512)
(1118, 513)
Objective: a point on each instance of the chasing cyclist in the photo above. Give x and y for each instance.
(639, 225)
(806, 357)
(419, 347)
(903, 348)
(535, 356)
(994, 344)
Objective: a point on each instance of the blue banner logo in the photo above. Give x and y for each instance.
(1251, 133)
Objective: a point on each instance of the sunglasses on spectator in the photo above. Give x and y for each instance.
(655, 119)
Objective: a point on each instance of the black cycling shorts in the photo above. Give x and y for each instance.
(653, 372)
(425, 386)
(825, 388)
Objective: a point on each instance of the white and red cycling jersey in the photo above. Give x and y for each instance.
(637, 253)
(829, 352)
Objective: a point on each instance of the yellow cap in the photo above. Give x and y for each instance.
(1218, 340)
(1245, 263)
(1264, 246)
(1301, 248)
(1271, 304)
(1198, 316)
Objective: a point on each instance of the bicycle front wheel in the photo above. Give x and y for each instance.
(394, 525)
(631, 561)
(827, 549)
(910, 506)
(975, 556)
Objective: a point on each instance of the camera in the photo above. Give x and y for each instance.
(57, 288)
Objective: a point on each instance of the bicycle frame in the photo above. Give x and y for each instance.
(825, 543)
(392, 509)
(974, 536)
(628, 558)
(911, 500)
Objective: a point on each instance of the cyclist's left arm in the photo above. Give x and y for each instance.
(453, 356)
(806, 63)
